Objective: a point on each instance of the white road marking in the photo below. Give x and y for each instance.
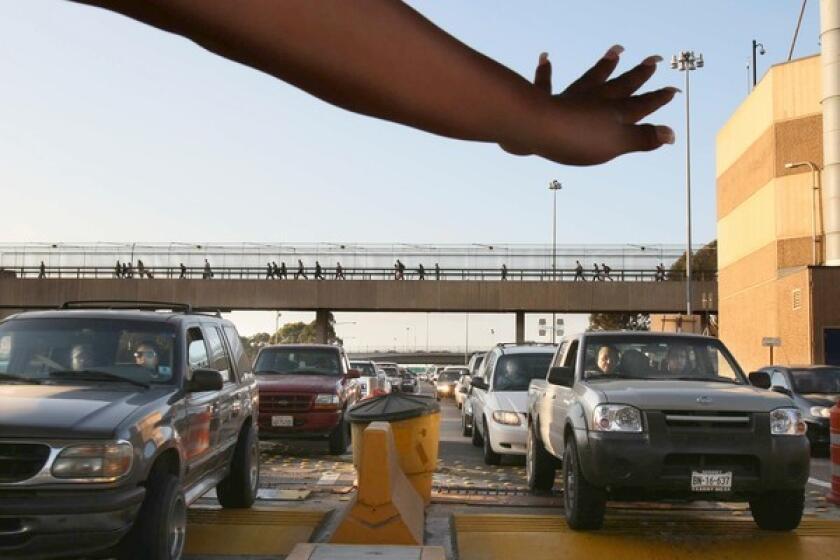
(817, 482)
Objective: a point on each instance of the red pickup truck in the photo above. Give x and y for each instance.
(305, 389)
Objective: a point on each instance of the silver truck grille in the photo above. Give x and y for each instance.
(707, 419)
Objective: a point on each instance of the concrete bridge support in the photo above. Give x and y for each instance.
(520, 327)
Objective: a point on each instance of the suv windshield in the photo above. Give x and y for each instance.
(365, 368)
(391, 371)
(651, 357)
(825, 381)
(450, 375)
(298, 360)
(90, 351)
(514, 372)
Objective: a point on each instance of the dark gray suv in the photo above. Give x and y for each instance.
(112, 421)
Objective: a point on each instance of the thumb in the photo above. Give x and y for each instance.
(542, 76)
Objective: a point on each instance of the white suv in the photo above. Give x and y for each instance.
(499, 398)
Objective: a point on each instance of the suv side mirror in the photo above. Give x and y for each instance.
(760, 379)
(353, 374)
(478, 383)
(564, 376)
(205, 380)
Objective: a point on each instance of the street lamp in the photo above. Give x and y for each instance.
(554, 186)
(686, 62)
(756, 46)
(814, 188)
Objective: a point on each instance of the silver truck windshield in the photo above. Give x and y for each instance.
(651, 357)
(89, 351)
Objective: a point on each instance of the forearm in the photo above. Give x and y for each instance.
(375, 57)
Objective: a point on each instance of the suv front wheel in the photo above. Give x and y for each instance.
(239, 488)
(340, 437)
(160, 530)
(779, 510)
(490, 456)
(585, 504)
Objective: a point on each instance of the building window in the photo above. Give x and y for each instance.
(797, 298)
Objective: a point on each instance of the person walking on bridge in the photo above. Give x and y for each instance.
(183, 272)
(660, 272)
(504, 272)
(579, 272)
(141, 268)
(282, 273)
(339, 272)
(301, 271)
(607, 271)
(421, 272)
(400, 270)
(596, 272)
(42, 270)
(118, 270)
(437, 271)
(208, 271)
(269, 271)
(319, 273)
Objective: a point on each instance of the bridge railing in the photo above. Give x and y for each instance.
(309, 273)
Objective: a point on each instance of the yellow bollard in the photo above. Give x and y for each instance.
(386, 509)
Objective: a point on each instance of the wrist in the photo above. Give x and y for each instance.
(528, 117)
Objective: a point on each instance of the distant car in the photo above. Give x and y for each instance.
(408, 382)
(474, 365)
(372, 381)
(462, 390)
(449, 377)
(814, 390)
(392, 373)
(305, 391)
(500, 397)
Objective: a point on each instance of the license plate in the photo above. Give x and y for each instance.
(282, 421)
(711, 481)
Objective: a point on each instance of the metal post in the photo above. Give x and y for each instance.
(555, 186)
(755, 74)
(688, 195)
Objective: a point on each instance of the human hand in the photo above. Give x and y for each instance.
(594, 119)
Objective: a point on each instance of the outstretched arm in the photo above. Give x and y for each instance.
(381, 58)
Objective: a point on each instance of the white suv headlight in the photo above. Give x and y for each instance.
(617, 418)
(821, 412)
(109, 460)
(787, 422)
(506, 417)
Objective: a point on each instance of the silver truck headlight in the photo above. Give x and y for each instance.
(617, 418)
(821, 412)
(787, 422)
(506, 417)
(109, 460)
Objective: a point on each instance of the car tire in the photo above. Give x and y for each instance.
(340, 438)
(477, 440)
(490, 456)
(460, 406)
(239, 489)
(585, 504)
(778, 510)
(159, 532)
(540, 466)
(466, 426)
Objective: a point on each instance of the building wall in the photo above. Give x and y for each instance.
(764, 216)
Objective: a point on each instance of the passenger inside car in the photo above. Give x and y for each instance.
(81, 357)
(607, 359)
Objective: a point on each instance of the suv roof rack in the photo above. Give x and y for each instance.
(526, 343)
(126, 304)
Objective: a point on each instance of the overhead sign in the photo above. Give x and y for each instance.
(771, 341)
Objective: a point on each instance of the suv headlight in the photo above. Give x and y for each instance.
(506, 417)
(787, 422)
(617, 418)
(96, 460)
(821, 412)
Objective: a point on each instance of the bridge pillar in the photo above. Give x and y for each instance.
(520, 327)
(321, 326)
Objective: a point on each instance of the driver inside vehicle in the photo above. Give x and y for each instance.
(607, 359)
(147, 356)
(677, 361)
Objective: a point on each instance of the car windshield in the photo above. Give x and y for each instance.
(366, 368)
(280, 361)
(391, 371)
(89, 351)
(450, 375)
(824, 380)
(514, 372)
(660, 358)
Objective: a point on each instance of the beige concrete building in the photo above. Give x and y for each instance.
(770, 227)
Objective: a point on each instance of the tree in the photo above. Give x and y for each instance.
(703, 262)
(302, 333)
(619, 322)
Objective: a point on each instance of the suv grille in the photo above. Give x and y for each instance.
(20, 461)
(708, 419)
(285, 403)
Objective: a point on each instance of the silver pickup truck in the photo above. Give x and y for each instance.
(649, 416)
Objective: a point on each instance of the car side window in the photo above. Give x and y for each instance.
(558, 357)
(243, 364)
(777, 379)
(197, 350)
(571, 355)
(219, 359)
(487, 372)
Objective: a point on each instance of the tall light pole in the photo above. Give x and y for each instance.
(756, 46)
(814, 189)
(554, 186)
(686, 62)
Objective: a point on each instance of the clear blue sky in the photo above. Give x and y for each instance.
(111, 130)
